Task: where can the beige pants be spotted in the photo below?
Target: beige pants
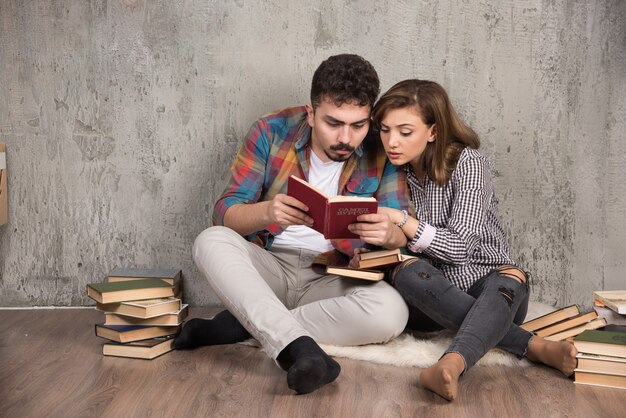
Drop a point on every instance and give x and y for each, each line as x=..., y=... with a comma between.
x=277, y=297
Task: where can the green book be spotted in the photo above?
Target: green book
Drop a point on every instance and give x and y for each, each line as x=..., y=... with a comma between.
x=129, y=290
x=130, y=333
x=119, y=274
x=172, y=276
x=601, y=342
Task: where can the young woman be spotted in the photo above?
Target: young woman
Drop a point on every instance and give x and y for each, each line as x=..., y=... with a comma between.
x=464, y=278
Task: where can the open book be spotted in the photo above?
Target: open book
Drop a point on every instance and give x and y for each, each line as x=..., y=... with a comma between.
x=331, y=215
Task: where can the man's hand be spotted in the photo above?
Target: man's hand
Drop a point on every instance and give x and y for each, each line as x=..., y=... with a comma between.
x=378, y=229
x=286, y=210
x=395, y=215
x=282, y=209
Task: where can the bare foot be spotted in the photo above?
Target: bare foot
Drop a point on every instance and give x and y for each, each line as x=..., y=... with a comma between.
x=443, y=376
x=558, y=354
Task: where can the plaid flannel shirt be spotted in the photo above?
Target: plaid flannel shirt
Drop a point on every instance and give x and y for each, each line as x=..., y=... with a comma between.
x=277, y=146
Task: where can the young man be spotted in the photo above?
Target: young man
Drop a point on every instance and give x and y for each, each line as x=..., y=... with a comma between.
x=271, y=291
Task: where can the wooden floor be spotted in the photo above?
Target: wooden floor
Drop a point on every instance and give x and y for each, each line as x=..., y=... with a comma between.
x=51, y=365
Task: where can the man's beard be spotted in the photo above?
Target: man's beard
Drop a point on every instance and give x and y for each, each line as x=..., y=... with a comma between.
x=340, y=147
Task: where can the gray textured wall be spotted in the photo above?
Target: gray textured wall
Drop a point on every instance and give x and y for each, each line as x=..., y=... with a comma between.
x=121, y=119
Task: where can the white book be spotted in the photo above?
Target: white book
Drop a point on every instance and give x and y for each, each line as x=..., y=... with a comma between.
x=612, y=299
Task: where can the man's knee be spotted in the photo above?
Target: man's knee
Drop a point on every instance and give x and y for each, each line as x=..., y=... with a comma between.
x=388, y=316
x=211, y=236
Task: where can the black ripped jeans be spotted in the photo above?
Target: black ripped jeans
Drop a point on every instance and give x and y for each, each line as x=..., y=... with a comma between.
x=486, y=316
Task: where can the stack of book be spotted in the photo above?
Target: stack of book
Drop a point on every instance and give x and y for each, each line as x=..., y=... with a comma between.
x=602, y=352
x=143, y=311
x=601, y=357
x=372, y=265
x=564, y=323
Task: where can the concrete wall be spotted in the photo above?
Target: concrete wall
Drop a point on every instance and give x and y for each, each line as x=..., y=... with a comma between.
x=121, y=119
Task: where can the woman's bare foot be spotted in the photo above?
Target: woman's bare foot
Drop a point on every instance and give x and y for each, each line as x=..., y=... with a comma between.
x=558, y=354
x=443, y=376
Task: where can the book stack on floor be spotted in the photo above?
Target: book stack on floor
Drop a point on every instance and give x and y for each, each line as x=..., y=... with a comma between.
x=143, y=311
x=564, y=323
x=602, y=352
x=372, y=265
x=601, y=357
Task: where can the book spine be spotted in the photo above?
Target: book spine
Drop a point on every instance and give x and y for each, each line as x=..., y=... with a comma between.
x=327, y=226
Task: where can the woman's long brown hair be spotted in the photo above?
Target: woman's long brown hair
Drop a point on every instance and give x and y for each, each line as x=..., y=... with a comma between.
x=431, y=102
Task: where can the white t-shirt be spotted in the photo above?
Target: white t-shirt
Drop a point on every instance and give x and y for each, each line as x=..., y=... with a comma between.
x=324, y=176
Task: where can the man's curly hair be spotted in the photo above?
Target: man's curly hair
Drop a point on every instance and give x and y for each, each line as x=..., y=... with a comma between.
x=345, y=78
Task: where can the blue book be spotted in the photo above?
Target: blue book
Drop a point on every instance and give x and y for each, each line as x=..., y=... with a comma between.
x=130, y=333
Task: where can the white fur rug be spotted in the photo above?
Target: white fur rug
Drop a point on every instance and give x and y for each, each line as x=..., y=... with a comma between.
x=424, y=349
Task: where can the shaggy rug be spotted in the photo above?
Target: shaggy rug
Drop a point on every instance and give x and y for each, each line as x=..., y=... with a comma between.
x=424, y=349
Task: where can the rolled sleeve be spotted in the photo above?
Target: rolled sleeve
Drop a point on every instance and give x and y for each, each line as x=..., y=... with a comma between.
x=423, y=237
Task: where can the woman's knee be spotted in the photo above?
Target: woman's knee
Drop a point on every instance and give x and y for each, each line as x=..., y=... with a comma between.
x=411, y=275
x=510, y=287
x=514, y=273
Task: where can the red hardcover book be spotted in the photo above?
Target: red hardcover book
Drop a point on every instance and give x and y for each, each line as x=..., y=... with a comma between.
x=331, y=215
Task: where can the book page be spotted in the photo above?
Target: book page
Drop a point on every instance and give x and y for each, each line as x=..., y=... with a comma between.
x=312, y=197
x=351, y=199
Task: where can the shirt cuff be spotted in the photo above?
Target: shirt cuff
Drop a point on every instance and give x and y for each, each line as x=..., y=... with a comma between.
x=423, y=237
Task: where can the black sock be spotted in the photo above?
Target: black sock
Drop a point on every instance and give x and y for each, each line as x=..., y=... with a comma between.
x=308, y=366
x=223, y=329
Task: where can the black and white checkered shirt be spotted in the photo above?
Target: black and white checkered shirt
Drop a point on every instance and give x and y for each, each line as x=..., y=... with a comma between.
x=459, y=227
